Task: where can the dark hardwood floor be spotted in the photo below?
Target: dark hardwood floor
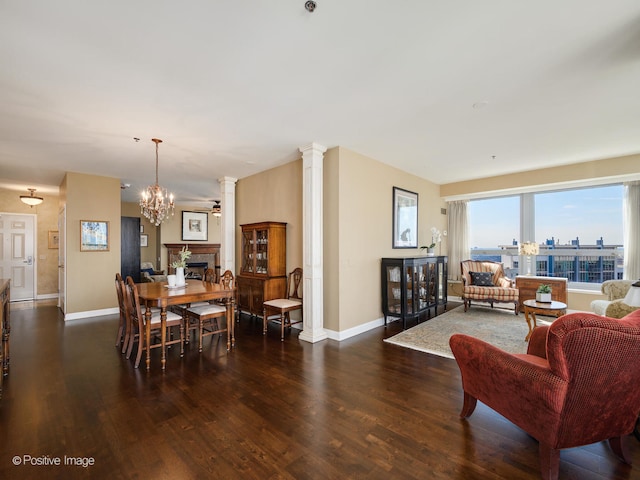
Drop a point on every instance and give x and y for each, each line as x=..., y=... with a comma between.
x=360, y=409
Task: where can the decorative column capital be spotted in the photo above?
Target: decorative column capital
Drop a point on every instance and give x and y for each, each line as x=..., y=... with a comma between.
x=314, y=148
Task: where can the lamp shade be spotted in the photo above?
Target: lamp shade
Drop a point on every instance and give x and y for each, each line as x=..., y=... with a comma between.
x=633, y=295
x=31, y=199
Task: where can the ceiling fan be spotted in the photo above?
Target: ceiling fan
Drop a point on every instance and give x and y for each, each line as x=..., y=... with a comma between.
x=216, y=209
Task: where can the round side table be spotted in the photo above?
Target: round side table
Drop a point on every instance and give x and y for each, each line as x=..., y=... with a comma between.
x=531, y=307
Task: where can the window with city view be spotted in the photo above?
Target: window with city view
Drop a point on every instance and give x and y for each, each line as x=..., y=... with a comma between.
x=580, y=232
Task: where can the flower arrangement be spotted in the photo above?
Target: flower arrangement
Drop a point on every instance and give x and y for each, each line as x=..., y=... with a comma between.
x=436, y=237
x=184, y=255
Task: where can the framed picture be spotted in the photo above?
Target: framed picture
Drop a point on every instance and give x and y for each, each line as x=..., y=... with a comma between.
x=405, y=218
x=195, y=226
x=54, y=239
x=94, y=236
x=141, y=228
x=144, y=240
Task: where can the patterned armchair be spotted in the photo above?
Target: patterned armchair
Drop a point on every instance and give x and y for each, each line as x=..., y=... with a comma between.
x=485, y=281
x=613, y=306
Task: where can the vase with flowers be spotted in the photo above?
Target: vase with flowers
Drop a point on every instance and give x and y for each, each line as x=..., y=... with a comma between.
x=180, y=265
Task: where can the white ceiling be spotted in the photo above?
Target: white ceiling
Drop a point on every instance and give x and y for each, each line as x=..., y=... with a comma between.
x=234, y=87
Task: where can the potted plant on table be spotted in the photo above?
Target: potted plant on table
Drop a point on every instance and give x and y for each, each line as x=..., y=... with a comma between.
x=543, y=294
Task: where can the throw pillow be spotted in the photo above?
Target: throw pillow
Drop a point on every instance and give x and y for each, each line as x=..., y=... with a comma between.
x=148, y=270
x=482, y=279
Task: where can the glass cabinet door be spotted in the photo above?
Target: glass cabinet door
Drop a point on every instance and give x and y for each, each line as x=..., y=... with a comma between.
x=422, y=286
x=247, y=251
x=410, y=303
x=394, y=289
x=262, y=249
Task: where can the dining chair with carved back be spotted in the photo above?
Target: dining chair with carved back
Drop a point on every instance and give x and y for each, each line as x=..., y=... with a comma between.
x=206, y=315
x=282, y=307
x=123, y=329
x=137, y=320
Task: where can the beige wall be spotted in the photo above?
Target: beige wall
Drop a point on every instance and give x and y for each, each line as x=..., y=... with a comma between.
x=273, y=195
x=613, y=169
x=90, y=274
x=46, y=220
x=171, y=231
x=358, y=193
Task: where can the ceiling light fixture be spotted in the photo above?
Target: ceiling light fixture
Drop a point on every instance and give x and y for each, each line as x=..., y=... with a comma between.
x=31, y=200
x=156, y=204
x=310, y=6
x=216, y=210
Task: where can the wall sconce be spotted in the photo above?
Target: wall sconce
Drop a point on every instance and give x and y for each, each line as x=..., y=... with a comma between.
x=31, y=200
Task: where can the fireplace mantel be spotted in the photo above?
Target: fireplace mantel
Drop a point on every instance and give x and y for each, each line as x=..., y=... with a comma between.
x=200, y=252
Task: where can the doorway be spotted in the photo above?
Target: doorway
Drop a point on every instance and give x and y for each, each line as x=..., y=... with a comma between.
x=18, y=254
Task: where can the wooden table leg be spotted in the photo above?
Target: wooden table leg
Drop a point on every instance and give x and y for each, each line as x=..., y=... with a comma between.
x=147, y=324
x=530, y=323
x=163, y=336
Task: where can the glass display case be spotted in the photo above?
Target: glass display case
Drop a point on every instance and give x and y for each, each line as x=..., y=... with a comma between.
x=412, y=286
x=263, y=265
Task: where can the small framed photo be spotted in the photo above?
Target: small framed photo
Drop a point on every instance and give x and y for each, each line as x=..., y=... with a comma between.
x=144, y=240
x=94, y=236
x=405, y=218
x=141, y=228
x=195, y=226
x=54, y=239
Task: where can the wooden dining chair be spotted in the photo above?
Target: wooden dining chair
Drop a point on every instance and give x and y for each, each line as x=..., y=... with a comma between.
x=137, y=320
x=122, y=337
x=207, y=316
x=190, y=322
x=282, y=307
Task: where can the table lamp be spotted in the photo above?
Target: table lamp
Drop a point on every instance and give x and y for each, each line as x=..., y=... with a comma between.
x=633, y=295
x=529, y=249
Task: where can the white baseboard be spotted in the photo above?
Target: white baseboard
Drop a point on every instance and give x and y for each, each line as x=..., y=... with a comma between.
x=352, y=332
x=48, y=296
x=91, y=313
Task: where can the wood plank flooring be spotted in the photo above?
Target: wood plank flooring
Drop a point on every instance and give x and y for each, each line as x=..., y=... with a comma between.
x=358, y=409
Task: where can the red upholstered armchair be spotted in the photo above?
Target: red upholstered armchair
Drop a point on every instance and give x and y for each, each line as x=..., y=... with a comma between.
x=577, y=384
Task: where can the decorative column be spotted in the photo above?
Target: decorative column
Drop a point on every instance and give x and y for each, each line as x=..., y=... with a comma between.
x=313, y=294
x=228, y=227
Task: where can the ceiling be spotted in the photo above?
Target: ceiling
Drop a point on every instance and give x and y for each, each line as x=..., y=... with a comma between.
x=234, y=87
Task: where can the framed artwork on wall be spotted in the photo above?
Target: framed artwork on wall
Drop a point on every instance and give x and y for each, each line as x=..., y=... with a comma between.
x=94, y=236
x=195, y=226
x=54, y=239
x=144, y=240
x=405, y=218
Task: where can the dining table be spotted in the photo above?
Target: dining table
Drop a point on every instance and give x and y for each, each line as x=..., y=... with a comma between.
x=159, y=294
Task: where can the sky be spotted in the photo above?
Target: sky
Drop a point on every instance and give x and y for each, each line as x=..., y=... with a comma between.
x=587, y=213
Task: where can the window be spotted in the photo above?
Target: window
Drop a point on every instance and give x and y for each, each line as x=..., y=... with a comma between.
x=580, y=232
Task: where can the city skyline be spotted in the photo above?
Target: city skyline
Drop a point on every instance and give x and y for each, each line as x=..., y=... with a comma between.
x=586, y=213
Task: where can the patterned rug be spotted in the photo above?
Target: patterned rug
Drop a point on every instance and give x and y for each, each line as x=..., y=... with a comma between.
x=495, y=326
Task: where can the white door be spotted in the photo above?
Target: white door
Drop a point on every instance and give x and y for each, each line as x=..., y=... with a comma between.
x=62, y=252
x=17, y=254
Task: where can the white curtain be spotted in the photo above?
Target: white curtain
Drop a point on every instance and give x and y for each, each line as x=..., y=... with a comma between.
x=631, y=211
x=458, y=237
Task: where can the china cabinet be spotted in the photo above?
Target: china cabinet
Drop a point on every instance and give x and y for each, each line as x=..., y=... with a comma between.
x=263, y=274
x=412, y=286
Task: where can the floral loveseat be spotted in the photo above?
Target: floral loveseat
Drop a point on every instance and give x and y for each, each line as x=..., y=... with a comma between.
x=614, y=305
x=485, y=281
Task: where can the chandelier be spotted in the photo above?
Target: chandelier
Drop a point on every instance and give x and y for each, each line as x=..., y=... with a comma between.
x=156, y=204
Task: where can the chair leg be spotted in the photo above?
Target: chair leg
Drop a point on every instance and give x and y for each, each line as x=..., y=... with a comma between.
x=141, y=342
x=182, y=339
x=549, y=462
x=282, y=327
x=620, y=447
x=264, y=321
x=200, y=328
x=468, y=406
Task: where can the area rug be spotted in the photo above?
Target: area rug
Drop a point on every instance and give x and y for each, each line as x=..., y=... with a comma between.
x=495, y=326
